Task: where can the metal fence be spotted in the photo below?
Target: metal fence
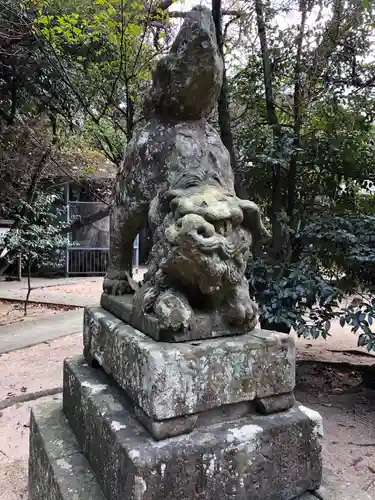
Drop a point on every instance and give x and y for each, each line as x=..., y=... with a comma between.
x=88, y=251
x=87, y=261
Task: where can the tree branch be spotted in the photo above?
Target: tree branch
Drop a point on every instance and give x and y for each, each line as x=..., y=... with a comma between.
x=89, y=219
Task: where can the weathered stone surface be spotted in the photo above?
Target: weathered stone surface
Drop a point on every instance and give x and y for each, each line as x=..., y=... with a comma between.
x=198, y=262
x=52, y=440
x=162, y=429
x=176, y=175
x=187, y=82
x=206, y=325
x=57, y=468
x=273, y=404
x=170, y=380
x=260, y=457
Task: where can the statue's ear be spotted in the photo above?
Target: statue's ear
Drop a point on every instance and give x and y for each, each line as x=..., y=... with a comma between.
x=171, y=199
x=174, y=193
x=253, y=222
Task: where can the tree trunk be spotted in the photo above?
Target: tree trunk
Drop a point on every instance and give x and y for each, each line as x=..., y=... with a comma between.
x=278, y=232
x=130, y=109
x=28, y=288
x=223, y=104
x=280, y=249
x=297, y=101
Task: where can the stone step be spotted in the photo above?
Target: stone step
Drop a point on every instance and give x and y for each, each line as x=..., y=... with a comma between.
x=58, y=470
x=257, y=457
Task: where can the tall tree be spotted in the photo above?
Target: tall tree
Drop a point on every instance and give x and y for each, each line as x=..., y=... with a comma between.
x=305, y=140
x=223, y=102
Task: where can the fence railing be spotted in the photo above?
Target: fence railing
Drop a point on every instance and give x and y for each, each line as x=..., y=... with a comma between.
x=92, y=261
x=88, y=250
x=87, y=261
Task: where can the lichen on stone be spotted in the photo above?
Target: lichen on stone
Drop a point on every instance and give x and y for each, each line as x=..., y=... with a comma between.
x=316, y=420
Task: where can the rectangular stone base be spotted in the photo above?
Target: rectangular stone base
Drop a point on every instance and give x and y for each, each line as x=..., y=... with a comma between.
x=59, y=470
x=256, y=457
x=176, y=381
x=206, y=325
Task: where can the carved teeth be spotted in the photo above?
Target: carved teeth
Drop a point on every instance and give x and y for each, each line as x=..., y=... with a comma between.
x=219, y=228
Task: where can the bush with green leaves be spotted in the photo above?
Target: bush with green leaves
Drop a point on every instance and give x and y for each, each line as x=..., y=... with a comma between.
x=336, y=259
x=294, y=296
x=38, y=234
x=360, y=315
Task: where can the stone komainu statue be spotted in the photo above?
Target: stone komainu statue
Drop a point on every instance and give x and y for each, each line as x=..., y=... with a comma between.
x=176, y=174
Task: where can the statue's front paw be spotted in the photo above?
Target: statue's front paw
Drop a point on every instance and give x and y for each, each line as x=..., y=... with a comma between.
x=116, y=287
x=249, y=313
x=119, y=283
x=241, y=312
x=173, y=311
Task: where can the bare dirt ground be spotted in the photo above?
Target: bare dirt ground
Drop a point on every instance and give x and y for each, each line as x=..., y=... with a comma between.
x=85, y=289
x=326, y=381
x=13, y=312
x=22, y=372
x=348, y=410
x=90, y=288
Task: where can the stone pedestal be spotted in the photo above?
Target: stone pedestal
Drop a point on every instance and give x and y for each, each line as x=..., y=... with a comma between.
x=177, y=387
x=165, y=404
x=211, y=419
x=254, y=457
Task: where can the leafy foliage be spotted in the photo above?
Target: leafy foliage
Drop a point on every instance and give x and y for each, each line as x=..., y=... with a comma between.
x=40, y=233
x=360, y=315
x=39, y=236
x=106, y=41
x=39, y=142
x=303, y=109
x=336, y=258
x=294, y=296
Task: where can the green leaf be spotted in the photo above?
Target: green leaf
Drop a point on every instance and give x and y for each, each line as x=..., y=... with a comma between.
x=362, y=340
